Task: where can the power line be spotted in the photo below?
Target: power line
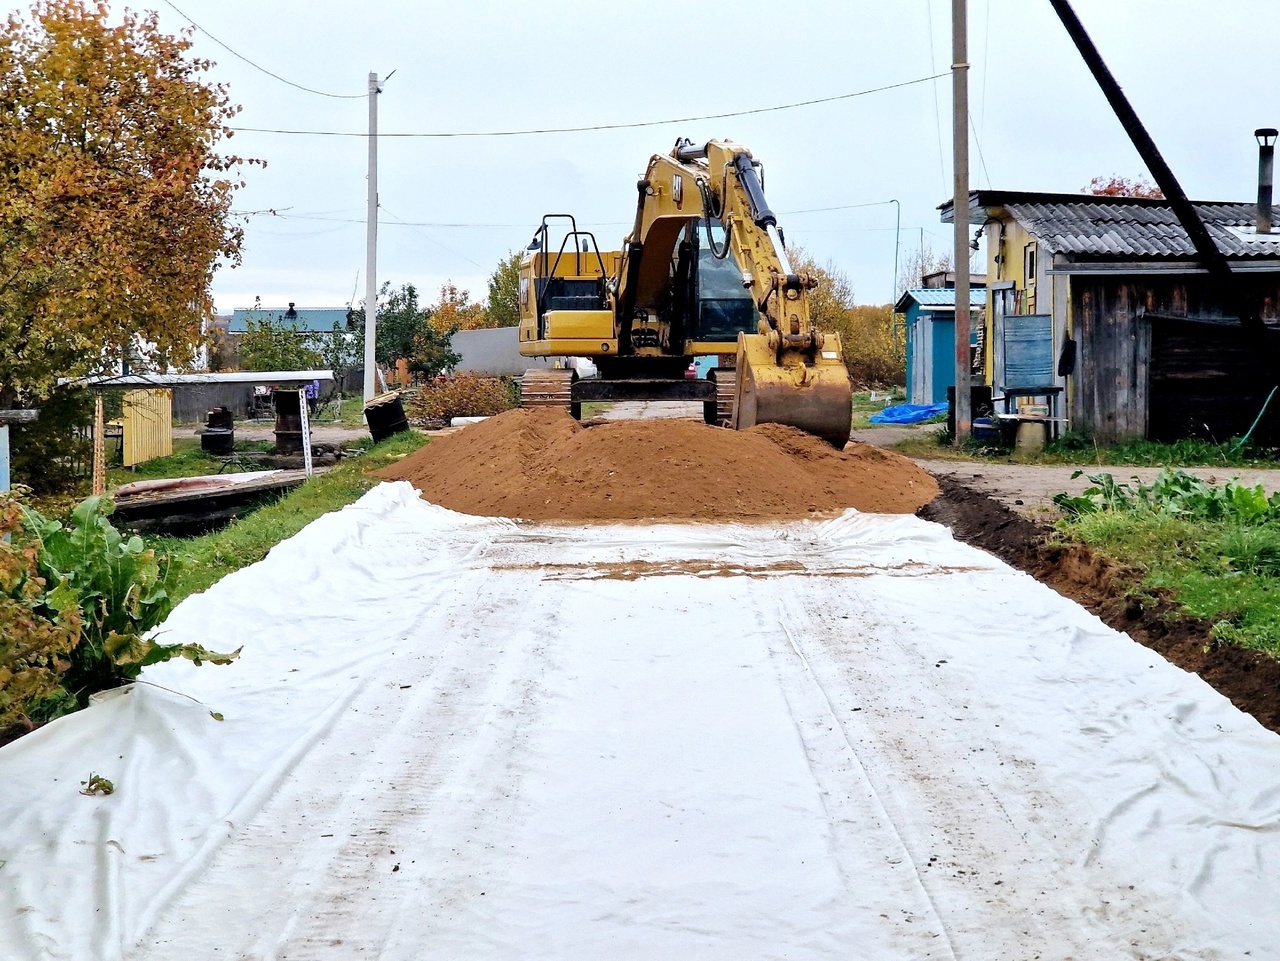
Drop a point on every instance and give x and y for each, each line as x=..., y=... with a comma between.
x=937, y=111
x=424, y=234
x=398, y=222
x=605, y=126
x=256, y=66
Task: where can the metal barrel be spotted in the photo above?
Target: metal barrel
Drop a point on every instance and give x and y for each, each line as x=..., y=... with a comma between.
x=385, y=416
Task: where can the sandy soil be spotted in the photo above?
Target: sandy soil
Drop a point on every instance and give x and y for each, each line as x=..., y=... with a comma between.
x=540, y=464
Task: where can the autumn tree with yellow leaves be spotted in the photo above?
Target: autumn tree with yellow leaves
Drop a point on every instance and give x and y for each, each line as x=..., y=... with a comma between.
x=869, y=336
x=115, y=201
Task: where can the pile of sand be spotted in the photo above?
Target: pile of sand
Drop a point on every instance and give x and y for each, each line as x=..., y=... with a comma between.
x=540, y=464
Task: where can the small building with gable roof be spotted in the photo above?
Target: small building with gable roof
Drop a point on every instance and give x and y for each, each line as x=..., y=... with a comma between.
x=1104, y=301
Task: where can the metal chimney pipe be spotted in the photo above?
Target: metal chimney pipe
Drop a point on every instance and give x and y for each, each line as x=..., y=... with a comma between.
x=1266, y=175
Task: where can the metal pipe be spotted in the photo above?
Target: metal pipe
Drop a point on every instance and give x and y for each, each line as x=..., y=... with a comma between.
x=688, y=151
x=1266, y=173
x=1208, y=251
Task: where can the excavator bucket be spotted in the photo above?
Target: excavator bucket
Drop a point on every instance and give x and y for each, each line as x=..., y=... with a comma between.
x=815, y=396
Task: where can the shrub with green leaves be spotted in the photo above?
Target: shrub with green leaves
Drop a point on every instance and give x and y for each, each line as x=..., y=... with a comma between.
x=119, y=585
x=1173, y=492
x=1217, y=547
x=38, y=629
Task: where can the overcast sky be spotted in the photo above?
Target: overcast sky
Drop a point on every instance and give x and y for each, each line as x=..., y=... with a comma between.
x=1199, y=72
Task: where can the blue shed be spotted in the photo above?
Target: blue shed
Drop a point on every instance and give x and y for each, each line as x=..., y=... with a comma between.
x=931, y=338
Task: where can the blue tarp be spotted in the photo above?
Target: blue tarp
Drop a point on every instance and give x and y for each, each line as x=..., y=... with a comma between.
x=908, y=413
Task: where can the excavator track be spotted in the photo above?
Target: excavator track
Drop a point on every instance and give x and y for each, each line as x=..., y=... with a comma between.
x=720, y=411
x=550, y=388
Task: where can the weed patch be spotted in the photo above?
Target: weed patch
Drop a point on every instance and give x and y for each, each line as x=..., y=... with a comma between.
x=1216, y=547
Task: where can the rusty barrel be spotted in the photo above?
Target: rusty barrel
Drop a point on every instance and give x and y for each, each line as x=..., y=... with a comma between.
x=385, y=416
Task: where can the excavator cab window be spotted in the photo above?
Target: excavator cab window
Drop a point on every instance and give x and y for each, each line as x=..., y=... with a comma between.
x=725, y=307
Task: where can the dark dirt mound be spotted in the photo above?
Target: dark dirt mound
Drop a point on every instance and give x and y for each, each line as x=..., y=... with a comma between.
x=542, y=465
x=1250, y=679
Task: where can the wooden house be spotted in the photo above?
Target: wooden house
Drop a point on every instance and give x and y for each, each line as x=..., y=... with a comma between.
x=1101, y=306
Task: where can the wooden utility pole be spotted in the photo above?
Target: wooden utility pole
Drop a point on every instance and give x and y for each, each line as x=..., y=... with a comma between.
x=960, y=211
x=371, y=256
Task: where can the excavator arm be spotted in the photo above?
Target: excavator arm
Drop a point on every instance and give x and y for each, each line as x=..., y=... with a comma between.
x=788, y=372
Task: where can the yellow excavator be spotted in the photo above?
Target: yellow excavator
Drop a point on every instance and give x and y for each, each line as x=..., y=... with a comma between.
x=704, y=272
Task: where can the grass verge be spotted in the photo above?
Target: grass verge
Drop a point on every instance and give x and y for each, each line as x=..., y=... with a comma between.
x=205, y=560
x=1072, y=450
x=1216, y=548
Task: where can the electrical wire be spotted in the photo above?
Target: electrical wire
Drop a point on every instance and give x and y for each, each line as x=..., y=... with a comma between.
x=977, y=142
x=937, y=110
x=454, y=225
x=427, y=236
x=256, y=66
x=594, y=127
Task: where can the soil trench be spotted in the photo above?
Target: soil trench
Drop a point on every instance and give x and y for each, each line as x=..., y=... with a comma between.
x=1249, y=679
x=541, y=465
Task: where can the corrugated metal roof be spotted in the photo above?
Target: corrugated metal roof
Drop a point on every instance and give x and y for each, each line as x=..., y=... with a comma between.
x=1095, y=228
x=317, y=319
x=945, y=296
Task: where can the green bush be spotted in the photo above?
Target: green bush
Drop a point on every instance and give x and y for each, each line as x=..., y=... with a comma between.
x=120, y=588
x=53, y=452
x=38, y=630
x=1174, y=492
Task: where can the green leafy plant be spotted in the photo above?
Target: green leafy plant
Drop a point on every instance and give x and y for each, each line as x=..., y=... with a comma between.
x=97, y=785
x=119, y=585
x=38, y=630
x=1173, y=492
x=277, y=344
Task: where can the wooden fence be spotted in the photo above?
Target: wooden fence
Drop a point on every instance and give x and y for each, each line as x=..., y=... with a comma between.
x=148, y=425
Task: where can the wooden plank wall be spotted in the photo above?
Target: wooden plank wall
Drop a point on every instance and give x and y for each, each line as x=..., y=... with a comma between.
x=1211, y=381
x=1121, y=391
x=148, y=425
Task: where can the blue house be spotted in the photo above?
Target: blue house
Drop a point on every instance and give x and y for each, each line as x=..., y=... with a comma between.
x=319, y=320
x=931, y=338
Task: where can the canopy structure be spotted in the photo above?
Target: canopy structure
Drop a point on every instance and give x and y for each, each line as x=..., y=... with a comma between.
x=130, y=381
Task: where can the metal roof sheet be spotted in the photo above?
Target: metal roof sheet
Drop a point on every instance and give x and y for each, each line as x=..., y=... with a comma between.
x=314, y=319
x=945, y=296
x=1096, y=228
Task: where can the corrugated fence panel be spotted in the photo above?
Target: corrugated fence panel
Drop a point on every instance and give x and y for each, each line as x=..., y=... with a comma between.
x=148, y=425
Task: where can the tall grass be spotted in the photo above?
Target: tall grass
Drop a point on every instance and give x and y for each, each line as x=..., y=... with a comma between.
x=1216, y=547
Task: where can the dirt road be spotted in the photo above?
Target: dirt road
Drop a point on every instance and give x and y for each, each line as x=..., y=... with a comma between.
x=1029, y=489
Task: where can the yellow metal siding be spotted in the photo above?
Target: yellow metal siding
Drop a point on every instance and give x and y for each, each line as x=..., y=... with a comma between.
x=148, y=425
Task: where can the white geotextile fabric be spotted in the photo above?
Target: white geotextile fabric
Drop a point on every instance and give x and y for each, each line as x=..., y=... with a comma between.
x=454, y=737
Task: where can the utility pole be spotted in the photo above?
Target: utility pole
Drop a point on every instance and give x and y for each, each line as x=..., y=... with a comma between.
x=960, y=211
x=371, y=260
